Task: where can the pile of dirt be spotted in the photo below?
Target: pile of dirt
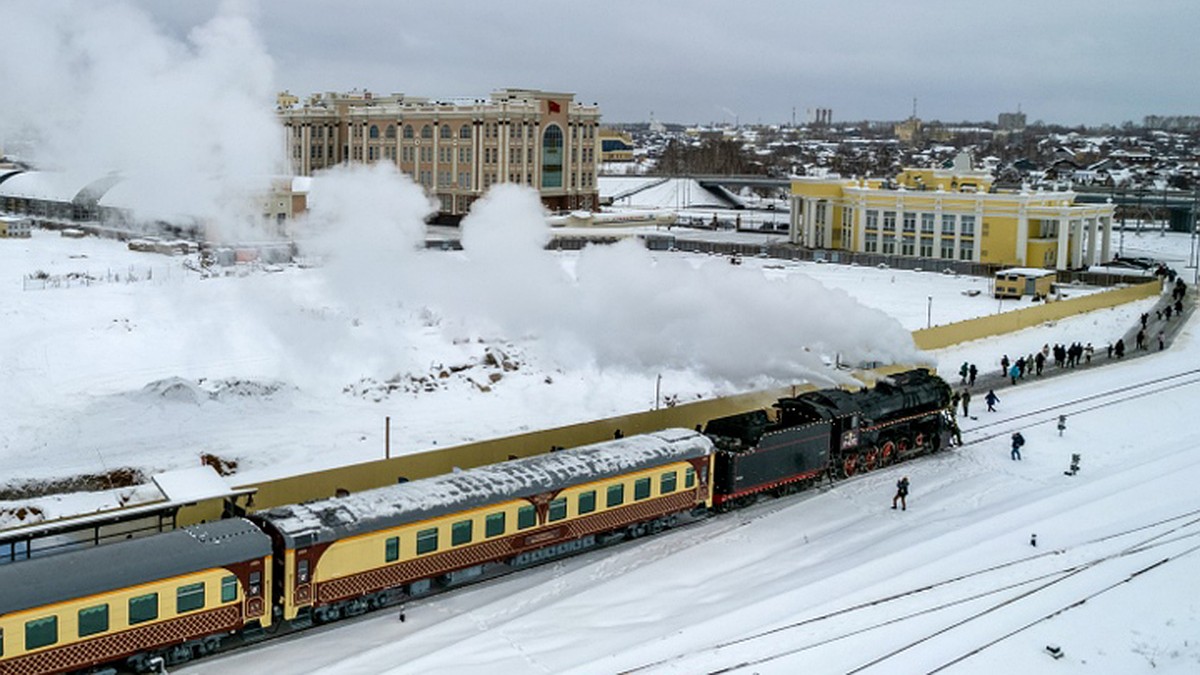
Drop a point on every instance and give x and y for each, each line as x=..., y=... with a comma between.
x=94, y=482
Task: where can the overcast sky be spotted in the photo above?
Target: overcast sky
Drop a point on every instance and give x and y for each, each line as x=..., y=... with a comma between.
x=695, y=61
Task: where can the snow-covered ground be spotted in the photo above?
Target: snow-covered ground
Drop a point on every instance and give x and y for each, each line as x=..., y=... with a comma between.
x=834, y=581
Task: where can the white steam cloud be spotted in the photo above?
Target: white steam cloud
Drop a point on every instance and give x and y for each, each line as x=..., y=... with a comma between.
x=96, y=87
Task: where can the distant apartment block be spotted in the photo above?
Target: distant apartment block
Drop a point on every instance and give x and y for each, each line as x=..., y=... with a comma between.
x=952, y=214
x=455, y=149
x=1014, y=121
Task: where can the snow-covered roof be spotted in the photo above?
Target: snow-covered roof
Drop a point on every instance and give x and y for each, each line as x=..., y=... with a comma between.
x=332, y=519
x=1026, y=271
x=45, y=185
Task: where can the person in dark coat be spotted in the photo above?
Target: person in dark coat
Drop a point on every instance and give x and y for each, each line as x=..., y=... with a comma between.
x=991, y=400
x=966, y=401
x=1141, y=339
x=1119, y=350
x=1039, y=362
x=901, y=494
x=1017, y=441
x=972, y=372
x=1004, y=366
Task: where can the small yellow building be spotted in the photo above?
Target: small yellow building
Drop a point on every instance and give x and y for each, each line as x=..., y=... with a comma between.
x=951, y=214
x=14, y=228
x=1016, y=282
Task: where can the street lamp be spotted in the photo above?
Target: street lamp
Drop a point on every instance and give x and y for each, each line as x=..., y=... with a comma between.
x=929, y=313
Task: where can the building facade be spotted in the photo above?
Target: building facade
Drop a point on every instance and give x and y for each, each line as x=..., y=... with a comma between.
x=950, y=214
x=456, y=150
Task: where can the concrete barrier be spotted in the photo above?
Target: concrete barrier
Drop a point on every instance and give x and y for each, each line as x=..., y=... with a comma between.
x=938, y=337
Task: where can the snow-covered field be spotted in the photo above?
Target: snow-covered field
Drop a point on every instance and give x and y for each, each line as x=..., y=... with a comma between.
x=833, y=581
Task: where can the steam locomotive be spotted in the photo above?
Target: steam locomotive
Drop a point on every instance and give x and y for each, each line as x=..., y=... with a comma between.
x=172, y=597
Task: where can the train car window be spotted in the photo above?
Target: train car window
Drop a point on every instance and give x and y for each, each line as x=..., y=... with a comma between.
x=189, y=598
x=1, y=642
x=229, y=588
x=93, y=620
x=558, y=509
x=391, y=549
x=427, y=541
x=41, y=632
x=302, y=570
x=143, y=608
x=587, y=502
x=668, y=483
x=641, y=489
x=461, y=532
x=526, y=517
x=494, y=525
x=616, y=496
x=689, y=477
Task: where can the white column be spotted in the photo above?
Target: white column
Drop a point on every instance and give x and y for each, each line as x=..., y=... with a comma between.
x=794, y=220
x=1061, y=261
x=1077, y=240
x=1022, y=234
x=937, y=228
x=1093, y=232
x=1106, y=239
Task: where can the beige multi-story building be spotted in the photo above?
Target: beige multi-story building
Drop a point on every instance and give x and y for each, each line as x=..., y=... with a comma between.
x=455, y=149
x=952, y=214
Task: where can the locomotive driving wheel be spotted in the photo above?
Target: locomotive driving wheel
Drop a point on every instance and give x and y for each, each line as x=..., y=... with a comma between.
x=849, y=465
x=887, y=453
x=919, y=442
x=871, y=459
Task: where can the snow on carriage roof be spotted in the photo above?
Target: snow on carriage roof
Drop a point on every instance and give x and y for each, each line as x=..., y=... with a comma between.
x=370, y=510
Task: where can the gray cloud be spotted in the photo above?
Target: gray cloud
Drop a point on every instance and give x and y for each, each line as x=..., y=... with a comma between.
x=1066, y=61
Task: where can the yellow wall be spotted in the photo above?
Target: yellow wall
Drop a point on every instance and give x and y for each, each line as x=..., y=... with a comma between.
x=998, y=324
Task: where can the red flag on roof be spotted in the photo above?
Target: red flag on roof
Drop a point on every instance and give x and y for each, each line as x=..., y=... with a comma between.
x=554, y=107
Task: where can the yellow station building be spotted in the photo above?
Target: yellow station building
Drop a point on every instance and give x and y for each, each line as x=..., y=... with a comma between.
x=953, y=214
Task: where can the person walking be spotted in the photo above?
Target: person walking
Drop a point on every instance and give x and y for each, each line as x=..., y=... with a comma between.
x=1119, y=350
x=901, y=494
x=972, y=372
x=1013, y=372
x=962, y=372
x=991, y=400
x=1017, y=441
x=1160, y=341
x=1087, y=353
x=1039, y=362
x=966, y=402
x=1004, y=366
x=1141, y=339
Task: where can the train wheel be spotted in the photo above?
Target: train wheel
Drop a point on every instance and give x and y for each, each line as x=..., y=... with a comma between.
x=887, y=453
x=919, y=442
x=871, y=459
x=849, y=465
x=902, y=446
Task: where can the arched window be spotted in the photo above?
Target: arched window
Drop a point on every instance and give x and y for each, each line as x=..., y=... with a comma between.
x=445, y=133
x=391, y=132
x=426, y=131
x=374, y=132
x=464, y=132
x=408, y=131
x=552, y=157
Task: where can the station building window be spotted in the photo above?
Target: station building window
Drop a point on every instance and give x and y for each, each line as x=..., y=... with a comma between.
x=552, y=157
x=464, y=132
x=41, y=632
x=93, y=620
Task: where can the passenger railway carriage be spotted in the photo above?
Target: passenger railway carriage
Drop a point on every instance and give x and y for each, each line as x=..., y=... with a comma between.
x=174, y=595
x=350, y=554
